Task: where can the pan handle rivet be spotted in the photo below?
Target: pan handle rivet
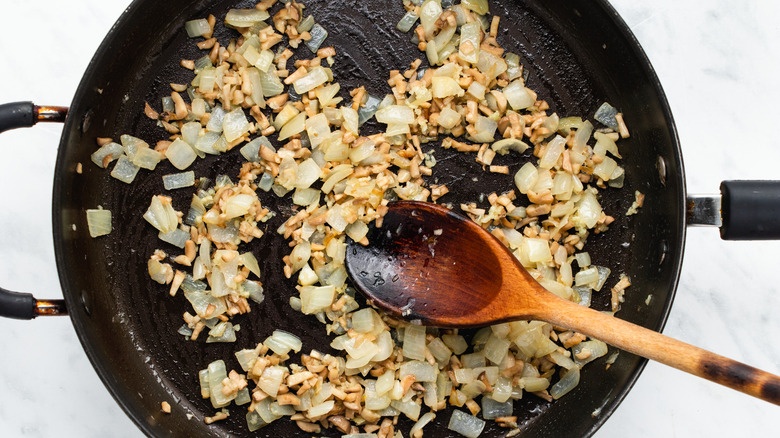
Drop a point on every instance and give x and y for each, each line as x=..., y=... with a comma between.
x=661, y=167
x=85, y=303
x=664, y=249
x=86, y=121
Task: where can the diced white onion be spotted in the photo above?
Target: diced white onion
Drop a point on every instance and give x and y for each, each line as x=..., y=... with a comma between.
x=465, y=424
x=99, y=222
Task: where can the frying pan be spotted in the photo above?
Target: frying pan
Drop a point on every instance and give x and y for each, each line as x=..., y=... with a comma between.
x=230, y=349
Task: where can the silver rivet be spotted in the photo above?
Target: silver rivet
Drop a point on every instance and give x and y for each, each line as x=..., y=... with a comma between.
x=661, y=167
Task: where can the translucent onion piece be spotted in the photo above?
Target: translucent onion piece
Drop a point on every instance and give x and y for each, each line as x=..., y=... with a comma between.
x=518, y=96
x=125, y=170
x=606, y=115
x=368, y=109
x=422, y=371
x=294, y=126
x=99, y=222
x=217, y=372
x=316, y=299
x=429, y=13
x=239, y=205
x=568, y=382
x=196, y=28
x=235, y=125
x=395, y=114
x=317, y=129
x=318, y=36
x=281, y=342
x=175, y=237
x=552, y=152
x=465, y=424
x=422, y=422
x=245, y=17
x=180, y=154
x=448, y=118
x=478, y=6
x=407, y=21
x=444, y=86
x=414, y=342
x=271, y=379
x=306, y=197
x=526, y=177
x=505, y=145
x=179, y=180
x=470, y=42
x=492, y=409
x=111, y=150
x=357, y=230
x=486, y=130
x=132, y=145
x=272, y=85
x=314, y=78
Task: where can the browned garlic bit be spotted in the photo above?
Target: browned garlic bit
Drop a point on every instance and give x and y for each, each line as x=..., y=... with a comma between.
x=341, y=180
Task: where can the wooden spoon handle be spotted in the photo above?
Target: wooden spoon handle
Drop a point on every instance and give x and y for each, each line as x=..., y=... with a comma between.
x=663, y=349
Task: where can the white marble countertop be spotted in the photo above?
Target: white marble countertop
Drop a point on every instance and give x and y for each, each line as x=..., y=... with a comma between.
x=718, y=63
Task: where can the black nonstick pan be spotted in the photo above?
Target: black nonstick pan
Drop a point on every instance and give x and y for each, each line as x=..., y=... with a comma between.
x=105, y=346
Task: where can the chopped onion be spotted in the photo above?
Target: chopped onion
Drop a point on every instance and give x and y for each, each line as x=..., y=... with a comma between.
x=422, y=371
x=407, y=21
x=179, y=180
x=588, y=211
x=125, y=170
x=306, y=197
x=505, y=145
x=222, y=332
x=281, y=342
x=518, y=96
x=175, y=237
x=295, y=126
x=318, y=35
x=478, y=6
x=486, y=130
x=368, y=109
x=465, y=424
x=606, y=115
x=470, y=37
x=271, y=379
x=161, y=214
x=448, y=118
x=314, y=78
x=357, y=230
x=239, y=205
x=422, y=422
x=496, y=349
x=414, y=342
x=492, y=409
x=196, y=28
x=99, y=222
x=180, y=154
x=395, y=114
x=316, y=299
x=445, y=86
x=552, y=152
x=245, y=17
x=217, y=372
x=235, y=125
x=112, y=150
x=456, y=343
x=271, y=84
x=408, y=408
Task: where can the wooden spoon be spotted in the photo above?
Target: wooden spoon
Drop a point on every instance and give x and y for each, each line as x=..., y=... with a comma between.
x=430, y=265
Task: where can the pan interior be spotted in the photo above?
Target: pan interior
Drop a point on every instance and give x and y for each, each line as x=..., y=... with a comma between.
x=577, y=56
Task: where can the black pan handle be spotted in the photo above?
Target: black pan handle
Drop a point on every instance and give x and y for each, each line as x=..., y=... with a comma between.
x=26, y=114
x=744, y=210
x=22, y=115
